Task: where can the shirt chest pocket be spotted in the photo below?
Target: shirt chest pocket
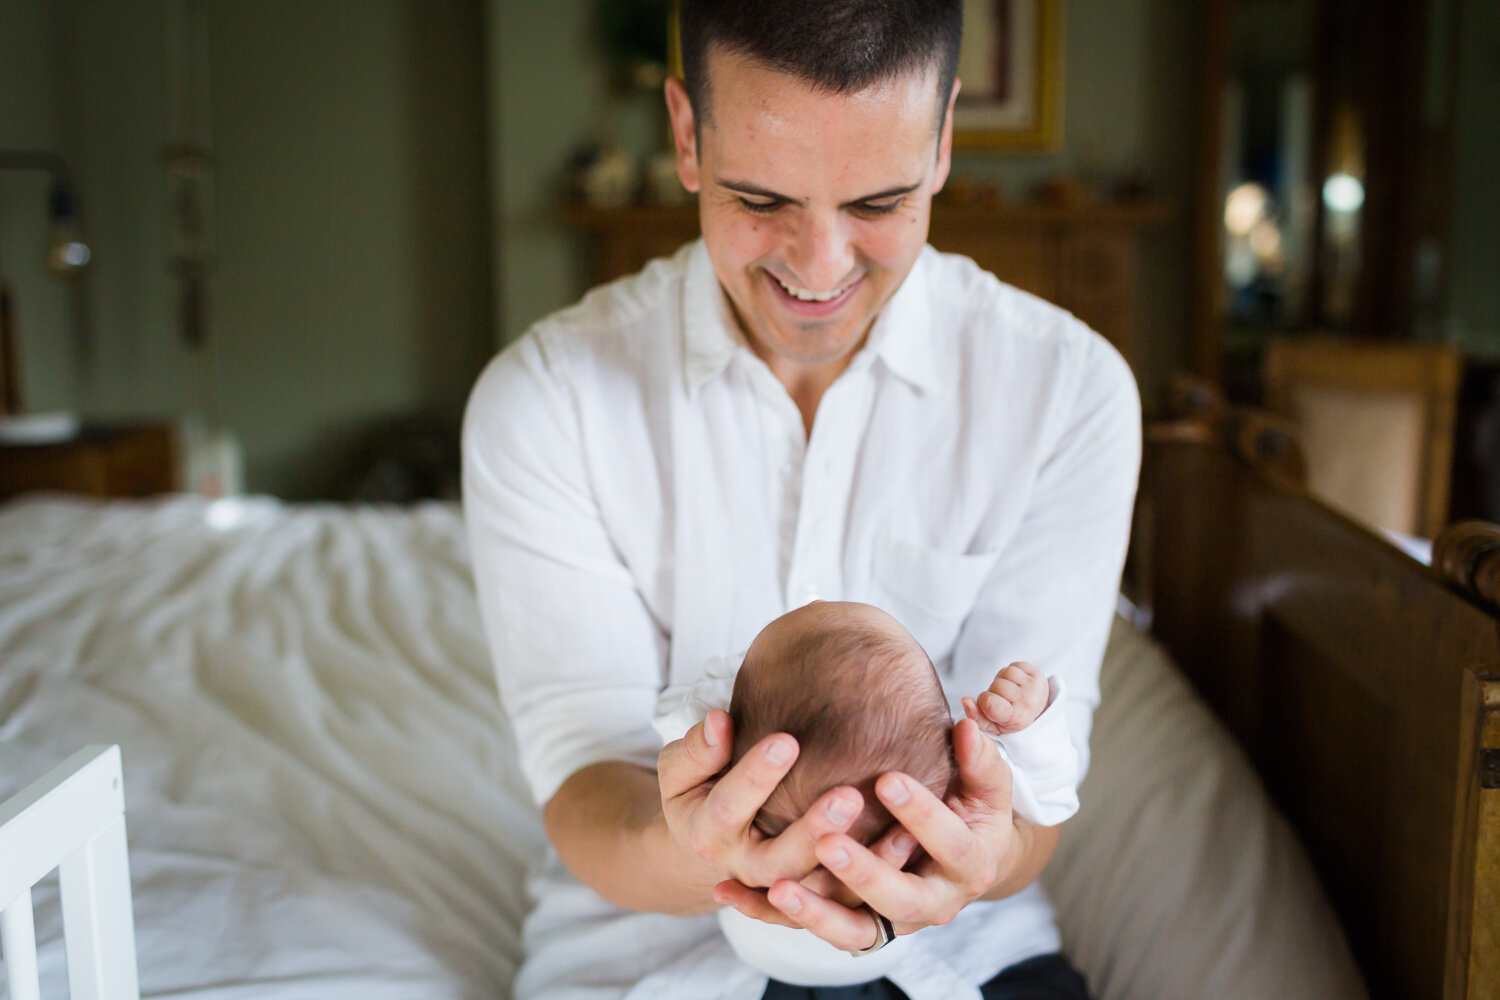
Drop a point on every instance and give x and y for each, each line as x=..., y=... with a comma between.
x=929, y=591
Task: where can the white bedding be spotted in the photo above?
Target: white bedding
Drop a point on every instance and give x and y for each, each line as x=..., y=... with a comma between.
x=322, y=799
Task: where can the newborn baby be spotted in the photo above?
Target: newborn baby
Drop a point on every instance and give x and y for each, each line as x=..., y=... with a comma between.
x=862, y=698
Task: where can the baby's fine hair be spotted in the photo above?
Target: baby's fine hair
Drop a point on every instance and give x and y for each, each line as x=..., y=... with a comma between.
x=860, y=702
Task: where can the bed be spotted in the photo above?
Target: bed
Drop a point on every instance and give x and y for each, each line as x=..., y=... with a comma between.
x=322, y=798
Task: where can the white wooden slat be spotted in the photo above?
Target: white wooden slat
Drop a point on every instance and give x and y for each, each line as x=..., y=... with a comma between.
x=18, y=941
x=97, y=920
x=56, y=815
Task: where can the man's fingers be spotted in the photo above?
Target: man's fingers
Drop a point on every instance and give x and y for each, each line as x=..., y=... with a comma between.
x=792, y=850
x=984, y=779
x=731, y=805
x=895, y=847
x=687, y=763
x=903, y=897
x=845, y=929
x=942, y=833
x=750, y=902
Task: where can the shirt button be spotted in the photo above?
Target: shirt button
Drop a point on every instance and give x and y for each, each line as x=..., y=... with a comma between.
x=788, y=470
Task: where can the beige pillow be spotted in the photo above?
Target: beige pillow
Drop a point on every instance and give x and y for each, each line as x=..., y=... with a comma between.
x=1178, y=878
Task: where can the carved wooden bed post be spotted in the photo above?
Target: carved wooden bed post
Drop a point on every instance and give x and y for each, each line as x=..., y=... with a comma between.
x=1467, y=554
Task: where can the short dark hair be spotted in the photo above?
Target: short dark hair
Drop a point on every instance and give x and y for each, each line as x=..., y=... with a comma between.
x=842, y=46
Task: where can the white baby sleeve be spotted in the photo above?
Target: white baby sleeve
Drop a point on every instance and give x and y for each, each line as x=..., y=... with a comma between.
x=680, y=707
x=1043, y=764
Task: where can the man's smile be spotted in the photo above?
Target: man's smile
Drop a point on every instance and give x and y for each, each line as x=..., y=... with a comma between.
x=805, y=301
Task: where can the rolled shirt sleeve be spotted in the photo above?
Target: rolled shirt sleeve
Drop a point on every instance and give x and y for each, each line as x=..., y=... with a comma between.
x=578, y=656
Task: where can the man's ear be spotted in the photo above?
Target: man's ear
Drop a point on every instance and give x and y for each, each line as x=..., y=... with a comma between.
x=945, y=142
x=684, y=132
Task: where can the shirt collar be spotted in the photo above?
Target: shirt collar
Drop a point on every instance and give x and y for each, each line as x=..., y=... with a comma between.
x=709, y=339
x=901, y=335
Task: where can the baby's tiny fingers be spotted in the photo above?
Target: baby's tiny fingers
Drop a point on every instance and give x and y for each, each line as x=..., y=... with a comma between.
x=997, y=708
x=1005, y=687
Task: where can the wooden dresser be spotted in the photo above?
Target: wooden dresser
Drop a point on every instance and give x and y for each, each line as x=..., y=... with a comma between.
x=1083, y=259
x=119, y=461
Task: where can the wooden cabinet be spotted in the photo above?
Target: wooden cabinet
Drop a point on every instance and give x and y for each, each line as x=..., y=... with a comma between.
x=1083, y=259
x=101, y=462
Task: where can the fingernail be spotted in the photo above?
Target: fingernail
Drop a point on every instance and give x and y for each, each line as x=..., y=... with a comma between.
x=896, y=792
x=902, y=843
x=841, y=811
x=837, y=858
x=777, y=752
x=791, y=904
x=708, y=732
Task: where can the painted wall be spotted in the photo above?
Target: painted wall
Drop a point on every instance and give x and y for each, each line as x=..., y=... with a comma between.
x=1128, y=108
x=353, y=279
x=31, y=119
x=354, y=267
x=551, y=95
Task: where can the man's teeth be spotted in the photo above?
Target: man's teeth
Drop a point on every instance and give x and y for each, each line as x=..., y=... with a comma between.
x=807, y=296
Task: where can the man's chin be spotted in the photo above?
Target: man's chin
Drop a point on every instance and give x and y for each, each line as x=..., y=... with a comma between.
x=814, y=356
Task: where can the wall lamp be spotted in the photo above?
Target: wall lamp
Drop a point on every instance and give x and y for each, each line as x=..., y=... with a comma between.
x=67, y=254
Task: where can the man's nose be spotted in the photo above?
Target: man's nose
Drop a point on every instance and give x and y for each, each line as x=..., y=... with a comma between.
x=821, y=253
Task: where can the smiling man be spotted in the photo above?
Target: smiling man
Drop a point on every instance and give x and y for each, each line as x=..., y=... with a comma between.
x=808, y=256
x=807, y=403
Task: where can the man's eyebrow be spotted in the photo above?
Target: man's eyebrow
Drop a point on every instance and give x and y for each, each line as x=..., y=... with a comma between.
x=755, y=190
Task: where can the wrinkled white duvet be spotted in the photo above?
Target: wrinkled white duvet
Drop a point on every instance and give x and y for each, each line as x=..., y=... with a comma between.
x=320, y=790
x=322, y=800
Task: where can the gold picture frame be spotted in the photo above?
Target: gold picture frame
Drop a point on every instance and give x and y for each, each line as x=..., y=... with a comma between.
x=1011, y=66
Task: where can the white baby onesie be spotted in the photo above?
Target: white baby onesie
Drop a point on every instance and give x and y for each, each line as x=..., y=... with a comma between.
x=1044, y=771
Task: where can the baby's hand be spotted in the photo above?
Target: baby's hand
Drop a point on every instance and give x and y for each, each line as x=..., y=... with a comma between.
x=1015, y=698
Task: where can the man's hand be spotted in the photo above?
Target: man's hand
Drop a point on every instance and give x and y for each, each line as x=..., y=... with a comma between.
x=711, y=820
x=974, y=848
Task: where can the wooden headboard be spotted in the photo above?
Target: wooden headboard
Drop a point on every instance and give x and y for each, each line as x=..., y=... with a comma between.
x=1364, y=685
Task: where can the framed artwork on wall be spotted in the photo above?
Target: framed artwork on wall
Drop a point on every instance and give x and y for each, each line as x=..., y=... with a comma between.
x=1011, y=66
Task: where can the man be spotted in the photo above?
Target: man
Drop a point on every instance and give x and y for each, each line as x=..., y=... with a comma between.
x=808, y=403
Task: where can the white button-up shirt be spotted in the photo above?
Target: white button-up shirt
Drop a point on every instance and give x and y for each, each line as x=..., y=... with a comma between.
x=642, y=497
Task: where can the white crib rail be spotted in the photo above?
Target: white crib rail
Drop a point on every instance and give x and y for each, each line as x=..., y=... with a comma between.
x=71, y=819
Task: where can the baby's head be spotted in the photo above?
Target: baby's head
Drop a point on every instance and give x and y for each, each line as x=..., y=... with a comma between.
x=860, y=696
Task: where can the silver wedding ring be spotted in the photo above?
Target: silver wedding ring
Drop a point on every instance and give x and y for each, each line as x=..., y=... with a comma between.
x=885, y=933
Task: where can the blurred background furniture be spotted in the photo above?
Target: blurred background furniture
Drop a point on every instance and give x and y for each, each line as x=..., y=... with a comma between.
x=1376, y=424
x=121, y=461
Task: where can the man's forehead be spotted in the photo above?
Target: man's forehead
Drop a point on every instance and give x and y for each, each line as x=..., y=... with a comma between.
x=778, y=131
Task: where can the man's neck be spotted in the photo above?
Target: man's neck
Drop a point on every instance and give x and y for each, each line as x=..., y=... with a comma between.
x=806, y=385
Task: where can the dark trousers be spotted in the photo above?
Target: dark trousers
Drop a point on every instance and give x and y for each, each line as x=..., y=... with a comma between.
x=1046, y=977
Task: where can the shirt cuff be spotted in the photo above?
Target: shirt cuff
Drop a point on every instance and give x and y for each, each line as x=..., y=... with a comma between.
x=1043, y=763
